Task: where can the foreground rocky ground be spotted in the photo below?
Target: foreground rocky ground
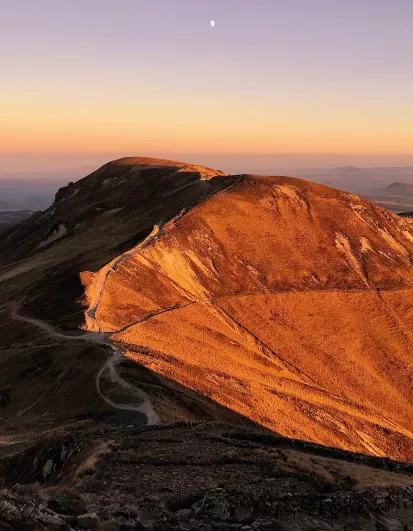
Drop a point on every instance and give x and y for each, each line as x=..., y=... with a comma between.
x=197, y=476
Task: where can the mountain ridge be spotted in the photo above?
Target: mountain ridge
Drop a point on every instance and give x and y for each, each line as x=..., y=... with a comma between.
x=251, y=293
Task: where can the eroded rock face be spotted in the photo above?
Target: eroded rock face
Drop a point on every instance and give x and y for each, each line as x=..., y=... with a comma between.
x=285, y=301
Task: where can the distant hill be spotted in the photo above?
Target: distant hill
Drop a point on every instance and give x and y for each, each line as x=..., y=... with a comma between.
x=397, y=196
x=399, y=189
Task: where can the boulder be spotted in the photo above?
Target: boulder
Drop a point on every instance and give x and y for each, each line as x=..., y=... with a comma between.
x=52, y=522
x=241, y=513
x=10, y=512
x=88, y=521
x=67, y=502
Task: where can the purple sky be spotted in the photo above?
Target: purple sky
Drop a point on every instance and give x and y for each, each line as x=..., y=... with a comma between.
x=134, y=77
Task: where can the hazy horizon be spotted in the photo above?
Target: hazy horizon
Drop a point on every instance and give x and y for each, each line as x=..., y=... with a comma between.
x=29, y=181
x=48, y=163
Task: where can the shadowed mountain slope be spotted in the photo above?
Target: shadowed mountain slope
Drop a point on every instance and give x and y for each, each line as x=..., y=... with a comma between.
x=91, y=222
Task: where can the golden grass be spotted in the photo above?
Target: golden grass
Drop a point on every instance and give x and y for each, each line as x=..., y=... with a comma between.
x=277, y=310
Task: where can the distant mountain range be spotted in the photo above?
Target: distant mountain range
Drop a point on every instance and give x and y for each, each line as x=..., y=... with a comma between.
x=355, y=180
x=391, y=188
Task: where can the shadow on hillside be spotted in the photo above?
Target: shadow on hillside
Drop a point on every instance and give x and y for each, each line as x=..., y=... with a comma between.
x=192, y=407
x=56, y=297
x=206, y=421
x=173, y=401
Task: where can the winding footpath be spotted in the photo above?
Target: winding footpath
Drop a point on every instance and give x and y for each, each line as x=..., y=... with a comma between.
x=143, y=405
x=94, y=335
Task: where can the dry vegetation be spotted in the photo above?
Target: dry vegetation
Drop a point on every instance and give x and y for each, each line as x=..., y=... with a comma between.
x=269, y=298
x=282, y=300
x=264, y=302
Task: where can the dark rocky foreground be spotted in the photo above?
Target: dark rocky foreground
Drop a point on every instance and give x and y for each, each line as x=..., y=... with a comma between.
x=206, y=476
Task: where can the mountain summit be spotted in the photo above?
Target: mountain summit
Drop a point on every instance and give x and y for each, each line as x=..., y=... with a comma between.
x=270, y=300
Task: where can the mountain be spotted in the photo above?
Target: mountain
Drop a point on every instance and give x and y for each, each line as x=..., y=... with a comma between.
x=364, y=181
x=100, y=216
x=251, y=291
x=399, y=189
x=396, y=197
x=156, y=292
x=258, y=298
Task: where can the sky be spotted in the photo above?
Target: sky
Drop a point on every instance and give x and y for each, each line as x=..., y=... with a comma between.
x=309, y=82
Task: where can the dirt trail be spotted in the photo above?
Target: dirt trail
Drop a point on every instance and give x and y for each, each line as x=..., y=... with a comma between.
x=94, y=335
x=144, y=406
x=78, y=335
x=91, y=323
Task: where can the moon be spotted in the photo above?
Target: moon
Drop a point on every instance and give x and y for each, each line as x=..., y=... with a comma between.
x=212, y=23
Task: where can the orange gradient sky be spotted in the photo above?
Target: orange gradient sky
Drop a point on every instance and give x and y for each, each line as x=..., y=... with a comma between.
x=151, y=77
x=329, y=119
